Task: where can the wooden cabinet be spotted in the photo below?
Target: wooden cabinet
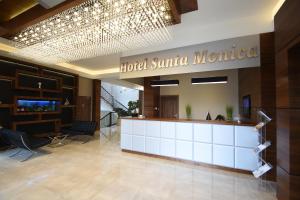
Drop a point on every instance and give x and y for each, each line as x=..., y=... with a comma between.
x=184, y=131
x=168, y=130
x=203, y=133
x=126, y=141
x=153, y=145
x=184, y=150
x=138, y=127
x=203, y=152
x=223, y=155
x=167, y=147
x=224, y=145
x=246, y=137
x=153, y=128
x=138, y=143
x=246, y=159
x=223, y=134
x=126, y=126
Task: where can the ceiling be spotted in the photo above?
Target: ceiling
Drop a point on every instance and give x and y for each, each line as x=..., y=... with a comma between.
x=214, y=20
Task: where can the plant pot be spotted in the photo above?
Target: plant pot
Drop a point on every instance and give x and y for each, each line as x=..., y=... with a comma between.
x=134, y=115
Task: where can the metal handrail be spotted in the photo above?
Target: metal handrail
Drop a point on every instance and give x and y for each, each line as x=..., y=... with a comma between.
x=108, y=120
x=109, y=98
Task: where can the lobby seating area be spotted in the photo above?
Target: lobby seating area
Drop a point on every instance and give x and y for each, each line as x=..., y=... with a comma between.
x=81, y=128
x=21, y=141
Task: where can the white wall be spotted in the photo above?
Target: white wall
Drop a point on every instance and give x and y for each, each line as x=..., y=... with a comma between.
x=122, y=94
x=204, y=98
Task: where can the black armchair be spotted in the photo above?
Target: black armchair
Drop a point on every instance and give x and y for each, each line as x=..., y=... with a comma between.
x=81, y=128
x=23, y=141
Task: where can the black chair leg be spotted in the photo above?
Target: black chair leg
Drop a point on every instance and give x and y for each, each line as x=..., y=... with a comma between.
x=88, y=138
x=16, y=153
x=28, y=157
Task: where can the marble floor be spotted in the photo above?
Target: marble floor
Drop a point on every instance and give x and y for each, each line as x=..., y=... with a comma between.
x=98, y=170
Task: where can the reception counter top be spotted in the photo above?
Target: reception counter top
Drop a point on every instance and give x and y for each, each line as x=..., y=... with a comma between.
x=193, y=121
x=221, y=143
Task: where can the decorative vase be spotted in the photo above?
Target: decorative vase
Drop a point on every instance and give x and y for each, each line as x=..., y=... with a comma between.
x=208, y=117
x=67, y=102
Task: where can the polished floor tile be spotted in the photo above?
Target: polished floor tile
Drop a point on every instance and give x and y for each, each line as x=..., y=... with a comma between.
x=98, y=170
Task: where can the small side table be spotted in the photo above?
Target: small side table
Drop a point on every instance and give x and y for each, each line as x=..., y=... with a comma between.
x=57, y=141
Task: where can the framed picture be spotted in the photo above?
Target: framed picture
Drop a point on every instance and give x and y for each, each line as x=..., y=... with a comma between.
x=247, y=106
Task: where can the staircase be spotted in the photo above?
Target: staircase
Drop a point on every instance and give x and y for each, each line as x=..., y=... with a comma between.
x=111, y=118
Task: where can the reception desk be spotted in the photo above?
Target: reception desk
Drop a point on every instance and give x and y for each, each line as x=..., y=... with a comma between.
x=226, y=144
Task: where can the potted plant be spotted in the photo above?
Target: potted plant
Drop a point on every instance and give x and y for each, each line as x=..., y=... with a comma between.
x=188, y=110
x=229, y=113
x=133, y=108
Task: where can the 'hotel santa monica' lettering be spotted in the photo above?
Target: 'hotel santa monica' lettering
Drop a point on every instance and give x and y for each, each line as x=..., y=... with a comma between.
x=200, y=57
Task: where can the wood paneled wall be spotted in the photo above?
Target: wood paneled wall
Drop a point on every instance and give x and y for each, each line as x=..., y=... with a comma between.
x=249, y=87
x=96, y=112
x=151, y=98
x=287, y=42
x=260, y=84
x=268, y=95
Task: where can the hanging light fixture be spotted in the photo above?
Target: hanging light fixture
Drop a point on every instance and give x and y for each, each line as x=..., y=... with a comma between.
x=94, y=28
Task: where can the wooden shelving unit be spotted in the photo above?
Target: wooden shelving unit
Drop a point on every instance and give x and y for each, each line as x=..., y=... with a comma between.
x=19, y=79
x=68, y=106
x=7, y=78
x=6, y=105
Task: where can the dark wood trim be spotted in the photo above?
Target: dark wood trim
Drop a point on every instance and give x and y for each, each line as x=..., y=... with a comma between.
x=151, y=98
x=189, y=162
x=35, y=66
x=268, y=95
x=185, y=6
x=96, y=110
x=55, y=121
x=287, y=42
x=161, y=96
x=175, y=12
x=36, y=15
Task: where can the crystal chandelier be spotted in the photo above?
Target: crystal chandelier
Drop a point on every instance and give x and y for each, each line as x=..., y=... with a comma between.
x=94, y=28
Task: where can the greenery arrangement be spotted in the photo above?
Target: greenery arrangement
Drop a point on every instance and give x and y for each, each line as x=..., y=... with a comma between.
x=188, y=110
x=133, y=106
x=229, y=113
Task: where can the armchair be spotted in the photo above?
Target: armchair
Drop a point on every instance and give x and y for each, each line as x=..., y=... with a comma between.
x=23, y=141
x=81, y=128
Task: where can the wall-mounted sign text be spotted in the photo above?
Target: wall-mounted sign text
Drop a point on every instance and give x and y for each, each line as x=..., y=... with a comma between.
x=227, y=54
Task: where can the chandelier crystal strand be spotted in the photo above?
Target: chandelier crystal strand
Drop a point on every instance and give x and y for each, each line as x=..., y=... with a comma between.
x=95, y=28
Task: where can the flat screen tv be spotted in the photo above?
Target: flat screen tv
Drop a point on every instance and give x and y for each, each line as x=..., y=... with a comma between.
x=25, y=105
x=247, y=106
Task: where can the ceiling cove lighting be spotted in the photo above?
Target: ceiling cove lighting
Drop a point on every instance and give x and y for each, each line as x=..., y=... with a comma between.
x=95, y=28
x=162, y=83
x=209, y=80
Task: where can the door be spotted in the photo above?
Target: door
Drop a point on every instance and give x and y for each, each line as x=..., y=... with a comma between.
x=169, y=106
x=83, y=111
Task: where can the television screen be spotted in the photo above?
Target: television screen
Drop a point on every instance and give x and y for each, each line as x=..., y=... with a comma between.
x=24, y=105
x=247, y=106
